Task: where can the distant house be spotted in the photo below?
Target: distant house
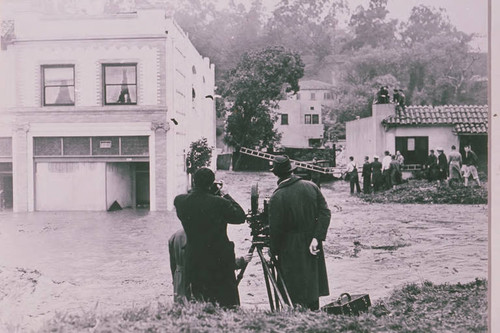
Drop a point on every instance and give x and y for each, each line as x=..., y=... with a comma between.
x=418, y=129
x=99, y=107
x=300, y=116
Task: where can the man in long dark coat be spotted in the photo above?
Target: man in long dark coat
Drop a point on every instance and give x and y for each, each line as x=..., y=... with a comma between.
x=377, y=178
x=432, y=167
x=442, y=164
x=299, y=218
x=367, y=176
x=210, y=260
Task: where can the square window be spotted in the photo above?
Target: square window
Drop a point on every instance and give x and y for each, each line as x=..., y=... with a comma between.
x=58, y=85
x=284, y=119
x=311, y=108
x=76, y=146
x=315, y=119
x=313, y=96
x=307, y=119
x=120, y=84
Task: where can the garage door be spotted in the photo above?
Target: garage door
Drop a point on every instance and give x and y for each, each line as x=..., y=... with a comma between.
x=70, y=186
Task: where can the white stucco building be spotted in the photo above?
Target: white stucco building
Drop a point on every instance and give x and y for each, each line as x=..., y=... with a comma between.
x=98, y=107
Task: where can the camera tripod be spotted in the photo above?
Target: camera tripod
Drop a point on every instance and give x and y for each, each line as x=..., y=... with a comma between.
x=278, y=296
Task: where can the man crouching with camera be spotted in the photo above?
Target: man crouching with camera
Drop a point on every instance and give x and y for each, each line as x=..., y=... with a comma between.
x=210, y=260
x=299, y=218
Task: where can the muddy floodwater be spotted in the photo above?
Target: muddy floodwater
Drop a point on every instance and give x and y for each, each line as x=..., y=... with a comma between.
x=104, y=262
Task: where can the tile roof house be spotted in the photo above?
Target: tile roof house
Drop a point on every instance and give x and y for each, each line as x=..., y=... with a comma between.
x=418, y=129
x=466, y=119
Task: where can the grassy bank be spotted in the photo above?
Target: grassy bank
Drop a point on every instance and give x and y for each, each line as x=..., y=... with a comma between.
x=424, y=192
x=414, y=308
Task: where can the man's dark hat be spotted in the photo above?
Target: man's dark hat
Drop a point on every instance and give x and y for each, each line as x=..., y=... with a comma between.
x=203, y=177
x=282, y=165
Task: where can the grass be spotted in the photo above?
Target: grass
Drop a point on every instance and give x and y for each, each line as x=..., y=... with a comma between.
x=424, y=192
x=413, y=308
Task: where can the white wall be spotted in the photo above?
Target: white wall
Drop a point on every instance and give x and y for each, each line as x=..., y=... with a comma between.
x=70, y=186
x=297, y=133
x=119, y=184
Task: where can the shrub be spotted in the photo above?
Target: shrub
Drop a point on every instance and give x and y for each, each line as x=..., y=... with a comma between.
x=199, y=155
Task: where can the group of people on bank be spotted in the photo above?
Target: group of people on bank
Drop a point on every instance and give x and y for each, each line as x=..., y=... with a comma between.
x=453, y=168
x=202, y=257
x=388, y=173
x=376, y=175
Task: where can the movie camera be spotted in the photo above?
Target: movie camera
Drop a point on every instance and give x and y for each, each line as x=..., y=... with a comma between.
x=258, y=221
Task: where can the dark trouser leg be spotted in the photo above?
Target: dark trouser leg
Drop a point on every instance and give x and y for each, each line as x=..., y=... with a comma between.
x=351, y=183
x=358, y=188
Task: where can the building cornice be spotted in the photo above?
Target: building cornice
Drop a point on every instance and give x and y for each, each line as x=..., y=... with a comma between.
x=115, y=109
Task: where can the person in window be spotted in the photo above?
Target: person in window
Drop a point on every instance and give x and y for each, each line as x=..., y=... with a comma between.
x=124, y=97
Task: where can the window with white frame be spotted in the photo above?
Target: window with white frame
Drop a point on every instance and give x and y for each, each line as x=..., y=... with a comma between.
x=58, y=85
x=120, y=83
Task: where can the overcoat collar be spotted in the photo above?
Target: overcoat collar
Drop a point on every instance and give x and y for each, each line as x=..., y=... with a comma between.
x=288, y=182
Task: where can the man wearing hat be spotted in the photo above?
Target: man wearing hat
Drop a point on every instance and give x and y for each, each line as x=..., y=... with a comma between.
x=210, y=260
x=299, y=218
x=377, y=177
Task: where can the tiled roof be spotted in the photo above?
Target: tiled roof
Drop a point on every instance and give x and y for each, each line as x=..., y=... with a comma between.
x=314, y=85
x=466, y=119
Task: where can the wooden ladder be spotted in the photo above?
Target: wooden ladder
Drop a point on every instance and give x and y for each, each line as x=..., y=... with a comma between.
x=303, y=165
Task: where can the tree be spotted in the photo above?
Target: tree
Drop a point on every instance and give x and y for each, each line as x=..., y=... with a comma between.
x=254, y=86
x=309, y=27
x=424, y=23
x=371, y=26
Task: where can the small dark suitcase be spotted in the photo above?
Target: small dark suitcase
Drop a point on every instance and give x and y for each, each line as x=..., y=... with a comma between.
x=348, y=305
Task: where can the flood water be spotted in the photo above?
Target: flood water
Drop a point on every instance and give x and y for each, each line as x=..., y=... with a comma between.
x=104, y=262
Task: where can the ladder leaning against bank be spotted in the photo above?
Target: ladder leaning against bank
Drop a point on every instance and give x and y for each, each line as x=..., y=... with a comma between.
x=337, y=172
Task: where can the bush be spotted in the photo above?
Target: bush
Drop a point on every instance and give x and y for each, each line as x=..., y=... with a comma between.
x=199, y=155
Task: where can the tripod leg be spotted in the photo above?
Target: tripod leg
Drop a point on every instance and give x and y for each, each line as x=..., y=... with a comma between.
x=267, y=277
x=273, y=281
x=281, y=281
x=242, y=270
x=276, y=300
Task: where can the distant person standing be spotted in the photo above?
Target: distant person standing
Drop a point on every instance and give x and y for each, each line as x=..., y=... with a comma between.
x=367, y=176
x=455, y=165
x=386, y=166
x=470, y=163
x=442, y=164
x=394, y=171
x=432, y=168
x=316, y=176
x=352, y=171
x=401, y=161
x=377, y=177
